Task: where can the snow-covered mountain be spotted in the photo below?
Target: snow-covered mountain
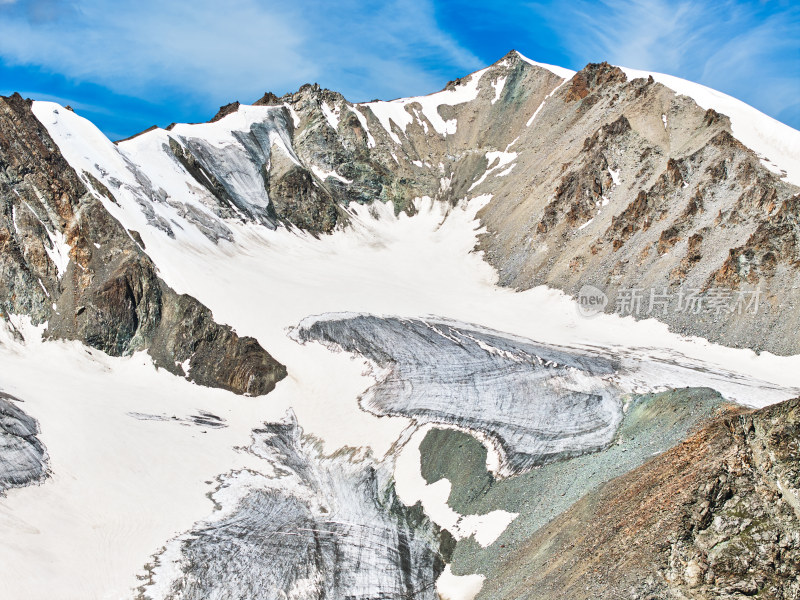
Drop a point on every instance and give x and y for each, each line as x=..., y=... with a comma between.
x=320, y=349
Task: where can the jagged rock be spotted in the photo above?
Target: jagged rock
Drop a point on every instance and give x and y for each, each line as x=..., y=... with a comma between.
x=717, y=516
x=226, y=110
x=67, y=262
x=591, y=77
x=23, y=459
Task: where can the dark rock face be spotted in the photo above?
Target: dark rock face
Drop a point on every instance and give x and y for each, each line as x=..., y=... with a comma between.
x=66, y=261
x=297, y=199
x=224, y=111
x=717, y=516
x=23, y=459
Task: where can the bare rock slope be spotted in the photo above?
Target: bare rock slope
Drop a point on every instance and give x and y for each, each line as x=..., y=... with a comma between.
x=714, y=517
x=67, y=262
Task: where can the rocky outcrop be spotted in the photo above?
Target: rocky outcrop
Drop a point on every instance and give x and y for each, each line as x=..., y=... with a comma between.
x=67, y=262
x=592, y=77
x=775, y=242
x=23, y=459
x=623, y=185
x=296, y=197
x=717, y=516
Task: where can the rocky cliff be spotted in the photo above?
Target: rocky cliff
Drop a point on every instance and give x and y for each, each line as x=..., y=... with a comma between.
x=67, y=263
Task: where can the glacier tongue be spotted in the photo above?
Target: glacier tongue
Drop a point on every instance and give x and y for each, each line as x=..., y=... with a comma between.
x=537, y=403
x=315, y=527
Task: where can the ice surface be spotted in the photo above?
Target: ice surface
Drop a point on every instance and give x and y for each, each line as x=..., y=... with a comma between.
x=536, y=402
x=321, y=527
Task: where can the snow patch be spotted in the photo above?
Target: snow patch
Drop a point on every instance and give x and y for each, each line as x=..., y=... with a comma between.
x=541, y=106
x=294, y=115
x=363, y=121
x=458, y=587
x=411, y=488
x=498, y=88
x=323, y=175
x=58, y=249
x=395, y=111
x=560, y=71
x=496, y=160
x=331, y=115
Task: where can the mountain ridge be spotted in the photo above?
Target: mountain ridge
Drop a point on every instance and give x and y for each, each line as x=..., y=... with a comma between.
x=691, y=209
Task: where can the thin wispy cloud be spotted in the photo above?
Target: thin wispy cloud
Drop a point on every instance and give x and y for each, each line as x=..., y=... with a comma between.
x=240, y=48
x=153, y=46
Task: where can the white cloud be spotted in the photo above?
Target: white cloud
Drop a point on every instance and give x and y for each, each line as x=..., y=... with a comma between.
x=238, y=49
x=127, y=47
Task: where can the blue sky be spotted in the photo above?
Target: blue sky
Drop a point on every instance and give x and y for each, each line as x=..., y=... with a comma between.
x=128, y=65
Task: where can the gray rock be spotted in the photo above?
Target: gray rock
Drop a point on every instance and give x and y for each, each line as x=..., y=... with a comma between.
x=109, y=295
x=23, y=459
